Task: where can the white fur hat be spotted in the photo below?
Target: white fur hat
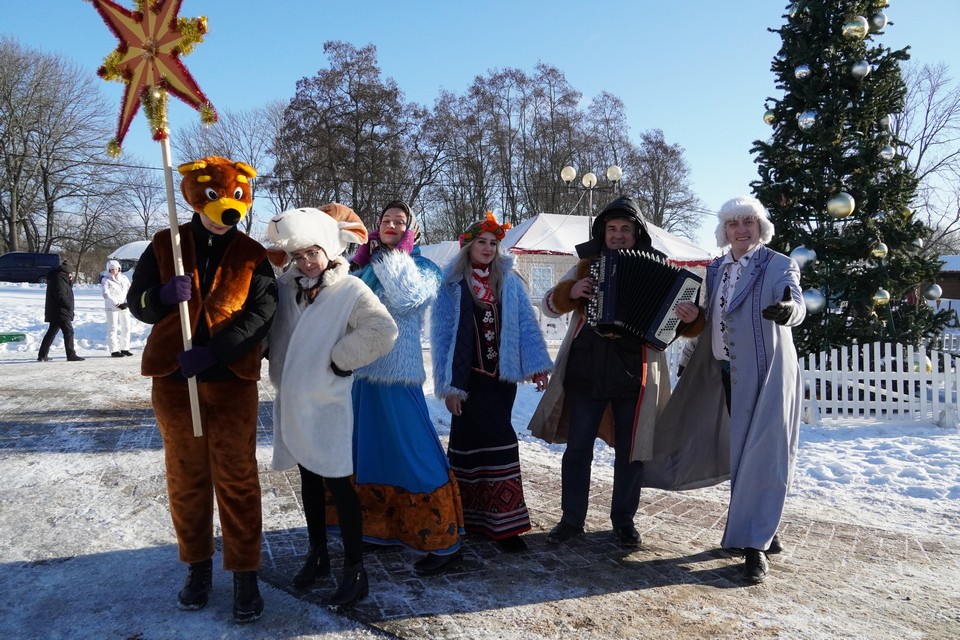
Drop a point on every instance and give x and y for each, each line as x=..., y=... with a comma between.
x=112, y=264
x=739, y=208
x=332, y=227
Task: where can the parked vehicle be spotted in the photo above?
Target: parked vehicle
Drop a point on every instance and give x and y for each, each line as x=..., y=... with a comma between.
x=128, y=255
x=21, y=266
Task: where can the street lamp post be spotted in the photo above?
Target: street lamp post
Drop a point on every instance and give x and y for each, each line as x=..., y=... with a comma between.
x=589, y=181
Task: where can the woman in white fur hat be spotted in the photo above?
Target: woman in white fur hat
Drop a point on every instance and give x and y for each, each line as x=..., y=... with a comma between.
x=114, y=287
x=327, y=324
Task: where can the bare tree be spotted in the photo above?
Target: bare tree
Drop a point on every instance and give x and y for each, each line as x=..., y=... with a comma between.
x=663, y=185
x=244, y=135
x=929, y=128
x=52, y=127
x=145, y=197
x=345, y=132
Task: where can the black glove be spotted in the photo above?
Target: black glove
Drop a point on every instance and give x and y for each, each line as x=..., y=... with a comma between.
x=343, y=373
x=780, y=312
x=122, y=306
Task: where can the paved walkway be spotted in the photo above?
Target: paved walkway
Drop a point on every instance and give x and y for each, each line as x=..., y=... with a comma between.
x=834, y=580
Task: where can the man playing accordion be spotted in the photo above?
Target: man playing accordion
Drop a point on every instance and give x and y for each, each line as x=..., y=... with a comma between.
x=596, y=371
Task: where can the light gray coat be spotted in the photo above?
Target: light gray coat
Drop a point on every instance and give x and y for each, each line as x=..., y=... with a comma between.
x=756, y=445
x=313, y=408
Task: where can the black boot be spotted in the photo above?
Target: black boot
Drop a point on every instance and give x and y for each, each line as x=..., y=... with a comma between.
x=353, y=587
x=247, y=603
x=193, y=596
x=317, y=563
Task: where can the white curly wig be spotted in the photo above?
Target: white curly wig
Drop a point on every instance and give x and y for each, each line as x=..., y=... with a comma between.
x=739, y=208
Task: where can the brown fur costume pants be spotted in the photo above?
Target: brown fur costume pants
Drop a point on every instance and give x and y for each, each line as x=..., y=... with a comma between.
x=222, y=462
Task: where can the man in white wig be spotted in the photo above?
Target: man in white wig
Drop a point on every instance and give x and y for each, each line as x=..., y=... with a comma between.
x=328, y=323
x=743, y=378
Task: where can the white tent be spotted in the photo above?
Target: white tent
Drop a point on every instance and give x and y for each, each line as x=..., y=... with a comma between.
x=442, y=253
x=555, y=234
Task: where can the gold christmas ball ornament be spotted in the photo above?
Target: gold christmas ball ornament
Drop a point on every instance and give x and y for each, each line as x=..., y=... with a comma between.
x=856, y=29
x=801, y=72
x=860, y=69
x=905, y=211
x=878, y=21
x=769, y=117
x=888, y=153
x=841, y=205
x=806, y=119
x=879, y=250
x=814, y=300
x=802, y=255
x=932, y=292
x=881, y=297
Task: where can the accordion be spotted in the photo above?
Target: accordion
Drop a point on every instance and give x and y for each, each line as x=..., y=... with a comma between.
x=636, y=293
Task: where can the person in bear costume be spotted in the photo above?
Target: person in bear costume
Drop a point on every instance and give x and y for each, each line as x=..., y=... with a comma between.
x=231, y=293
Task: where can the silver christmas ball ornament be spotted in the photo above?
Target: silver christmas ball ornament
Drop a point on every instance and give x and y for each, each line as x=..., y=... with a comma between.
x=860, y=69
x=806, y=119
x=841, y=205
x=856, y=29
x=814, y=300
x=881, y=297
x=802, y=255
x=888, y=153
x=932, y=292
x=878, y=21
x=885, y=122
x=801, y=72
x=769, y=117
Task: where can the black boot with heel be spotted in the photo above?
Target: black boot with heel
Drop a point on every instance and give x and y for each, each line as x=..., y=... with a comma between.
x=317, y=563
x=353, y=587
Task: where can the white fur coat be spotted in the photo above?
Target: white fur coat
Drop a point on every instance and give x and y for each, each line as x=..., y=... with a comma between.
x=313, y=411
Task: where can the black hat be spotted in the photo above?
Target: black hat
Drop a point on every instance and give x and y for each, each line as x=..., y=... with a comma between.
x=626, y=208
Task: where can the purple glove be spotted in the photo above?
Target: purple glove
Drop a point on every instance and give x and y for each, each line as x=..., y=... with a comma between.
x=178, y=289
x=406, y=242
x=362, y=256
x=196, y=360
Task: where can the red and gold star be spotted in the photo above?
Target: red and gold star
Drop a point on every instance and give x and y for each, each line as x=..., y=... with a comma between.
x=152, y=39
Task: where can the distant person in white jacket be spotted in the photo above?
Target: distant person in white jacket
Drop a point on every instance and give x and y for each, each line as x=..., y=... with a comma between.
x=114, y=287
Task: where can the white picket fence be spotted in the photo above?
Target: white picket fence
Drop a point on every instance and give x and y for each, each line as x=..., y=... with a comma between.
x=881, y=381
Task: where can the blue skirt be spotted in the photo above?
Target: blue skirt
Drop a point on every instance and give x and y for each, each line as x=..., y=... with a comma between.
x=408, y=494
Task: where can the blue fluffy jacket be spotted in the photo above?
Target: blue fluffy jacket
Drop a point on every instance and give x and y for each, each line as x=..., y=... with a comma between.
x=523, y=351
x=406, y=285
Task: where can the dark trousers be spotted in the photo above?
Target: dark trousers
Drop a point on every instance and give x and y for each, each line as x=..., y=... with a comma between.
x=66, y=326
x=585, y=415
x=348, y=511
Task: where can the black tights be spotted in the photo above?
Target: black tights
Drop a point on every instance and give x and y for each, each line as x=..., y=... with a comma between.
x=348, y=511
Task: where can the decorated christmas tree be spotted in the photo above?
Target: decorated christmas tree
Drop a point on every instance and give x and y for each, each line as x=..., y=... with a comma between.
x=834, y=180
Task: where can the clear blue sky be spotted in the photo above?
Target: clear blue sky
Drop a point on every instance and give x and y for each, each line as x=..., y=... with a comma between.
x=698, y=70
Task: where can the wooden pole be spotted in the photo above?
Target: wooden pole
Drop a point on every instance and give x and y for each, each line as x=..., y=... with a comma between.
x=178, y=270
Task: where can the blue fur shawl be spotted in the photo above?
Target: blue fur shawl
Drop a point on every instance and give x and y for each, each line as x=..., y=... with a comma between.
x=523, y=351
x=406, y=285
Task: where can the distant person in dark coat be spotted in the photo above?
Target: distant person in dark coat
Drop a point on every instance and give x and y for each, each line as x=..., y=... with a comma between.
x=58, y=311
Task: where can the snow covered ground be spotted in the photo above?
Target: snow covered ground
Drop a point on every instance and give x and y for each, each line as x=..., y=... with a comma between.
x=890, y=475
x=872, y=472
